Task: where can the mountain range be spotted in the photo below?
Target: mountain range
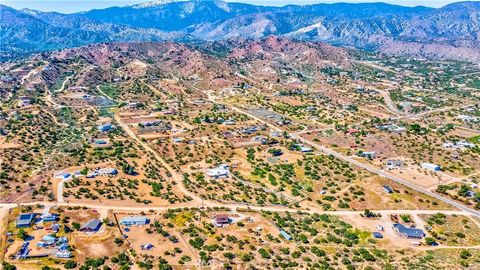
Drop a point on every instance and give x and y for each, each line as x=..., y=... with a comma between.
x=450, y=32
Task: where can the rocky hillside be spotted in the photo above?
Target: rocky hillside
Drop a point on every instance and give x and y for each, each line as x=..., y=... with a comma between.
x=452, y=31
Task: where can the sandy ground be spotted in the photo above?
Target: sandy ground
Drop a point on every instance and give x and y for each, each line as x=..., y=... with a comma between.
x=417, y=176
x=8, y=145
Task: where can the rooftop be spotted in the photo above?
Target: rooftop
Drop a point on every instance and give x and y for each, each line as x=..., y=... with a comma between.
x=409, y=232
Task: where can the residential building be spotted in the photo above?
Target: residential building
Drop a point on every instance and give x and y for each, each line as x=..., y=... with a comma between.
x=466, y=118
x=134, y=220
x=24, y=220
x=105, y=127
x=63, y=175
x=458, y=145
x=107, y=171
x=221, y=171
x=407, y=232
x=285, y=235
x=394, y=164
x=302, y=148
x=220, y=220
x=63, y=254
x=431, y=166
x=388, y=189
x=367, y=154
x=92, y=225
x=49, y=218
x=49, y=239
x=177, y=140
x=229, y=122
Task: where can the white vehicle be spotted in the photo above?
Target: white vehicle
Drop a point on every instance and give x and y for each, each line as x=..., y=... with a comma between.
x=415, y=243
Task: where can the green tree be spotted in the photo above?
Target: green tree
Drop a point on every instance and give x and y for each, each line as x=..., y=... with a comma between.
x=22, y=234
x=7, y=266
x=70, y=265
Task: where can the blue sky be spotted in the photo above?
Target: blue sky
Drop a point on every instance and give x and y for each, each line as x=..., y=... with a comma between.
x=69, y=6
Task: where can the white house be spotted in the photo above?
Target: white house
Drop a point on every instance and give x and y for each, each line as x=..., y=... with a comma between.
x=108, y=171
x=458, y=145
x=431, y=166
x=394, y=164
x=221, y=171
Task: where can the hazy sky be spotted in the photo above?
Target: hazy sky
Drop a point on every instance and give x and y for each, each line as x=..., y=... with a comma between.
x=69, y=6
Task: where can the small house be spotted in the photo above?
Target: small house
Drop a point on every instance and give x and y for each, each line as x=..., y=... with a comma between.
x=431, y=166
x=108, y=171
x=63, y=246
x=388, y=189
x=24, y=220
x=42, y=244
x=220, y=220
x=130, y=221
x=63, y=175
x=92, y=225
x=394, y=164
x=177, y=140
x=49, y=218
x=367, y=154
x=221, y=171
x=100, y=142
x=63, y=254
x=146, y=247
x=302, y=148
x=49, y=239
x=56, y=227
x=105, y=127
x=229, y=122
x=285, y=235
x=410, y=233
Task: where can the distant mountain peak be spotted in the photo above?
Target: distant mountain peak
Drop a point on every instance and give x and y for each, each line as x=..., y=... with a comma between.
x=453, y=30
x=156, y=3
x=31, y=11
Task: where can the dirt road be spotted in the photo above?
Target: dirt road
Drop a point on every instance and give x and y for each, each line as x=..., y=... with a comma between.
x=177, y=177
